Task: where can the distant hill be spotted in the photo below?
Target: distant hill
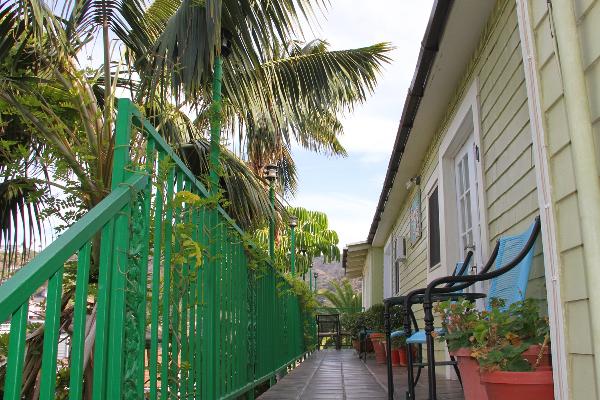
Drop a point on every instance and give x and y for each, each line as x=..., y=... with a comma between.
x=330, y=272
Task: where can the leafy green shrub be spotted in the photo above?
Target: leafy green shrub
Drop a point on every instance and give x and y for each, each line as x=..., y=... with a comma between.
x=498, y=337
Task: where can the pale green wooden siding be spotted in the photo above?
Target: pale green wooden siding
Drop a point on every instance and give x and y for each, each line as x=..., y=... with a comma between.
x=509, y=180
x=508, y=169
x=564, y=192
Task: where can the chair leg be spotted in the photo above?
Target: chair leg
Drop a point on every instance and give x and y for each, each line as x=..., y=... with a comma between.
x=455, y=365
x=410, y=393
x=420, y=368
x=388, y=331
x=430, y=350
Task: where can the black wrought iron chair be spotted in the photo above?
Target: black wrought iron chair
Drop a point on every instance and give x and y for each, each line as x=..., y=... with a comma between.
x=512, y=257
x=410, y=323
x=328, y=325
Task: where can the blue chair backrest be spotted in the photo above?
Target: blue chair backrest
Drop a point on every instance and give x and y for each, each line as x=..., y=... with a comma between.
x=512, y=285
x=457, y=270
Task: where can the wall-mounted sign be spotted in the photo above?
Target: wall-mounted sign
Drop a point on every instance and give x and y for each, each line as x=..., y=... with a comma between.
x=415, y=218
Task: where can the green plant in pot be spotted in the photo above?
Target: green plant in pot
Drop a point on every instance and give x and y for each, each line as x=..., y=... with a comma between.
x=353, y=324
x=399, y=357
x=374, y=322
x=500, y=342
x=459, y=319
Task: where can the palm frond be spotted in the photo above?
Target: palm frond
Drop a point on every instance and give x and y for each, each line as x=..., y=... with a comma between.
x=20, y=221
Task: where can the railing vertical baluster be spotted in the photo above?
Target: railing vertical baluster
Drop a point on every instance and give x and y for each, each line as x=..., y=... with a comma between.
x=13, y=379
x=166, y=321
x=102, y=305
x=176, y=299
x=193, y=304
x=51, y=336
x=220, y=310
x=200, y=309
x=154, y=308
x=79, y=323
x=185, y=288
x=230, y=320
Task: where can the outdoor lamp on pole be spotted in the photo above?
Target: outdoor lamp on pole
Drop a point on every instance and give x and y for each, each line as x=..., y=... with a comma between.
x=271, y=176
x=293, y=224
x=315, y=275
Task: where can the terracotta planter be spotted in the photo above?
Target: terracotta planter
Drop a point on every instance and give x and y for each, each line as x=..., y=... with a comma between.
x=395, y=357
x=531, y=355
x=469, y=373
x=403, y=352
x=379, y=346
x=501, y=385
x=402, y=356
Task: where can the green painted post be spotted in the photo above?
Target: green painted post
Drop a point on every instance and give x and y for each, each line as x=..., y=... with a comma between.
x=293, y=247
x=272, y=222
x=215, y=125
x=310, y=278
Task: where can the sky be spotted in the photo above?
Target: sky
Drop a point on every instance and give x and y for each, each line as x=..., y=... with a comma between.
x=347, y=189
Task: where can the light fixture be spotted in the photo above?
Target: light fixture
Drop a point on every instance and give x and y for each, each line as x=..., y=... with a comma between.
x=415, y=180
x=270, y=172
x=293, y=221
x=316, y=274
x=226, y=42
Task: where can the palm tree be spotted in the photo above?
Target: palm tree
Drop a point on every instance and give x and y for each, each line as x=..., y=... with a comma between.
x=342, y=297
x=313, y=239
x=56, y=117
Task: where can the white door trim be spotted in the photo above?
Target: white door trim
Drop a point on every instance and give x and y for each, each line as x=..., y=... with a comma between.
x=465, y=122
x=541, y=159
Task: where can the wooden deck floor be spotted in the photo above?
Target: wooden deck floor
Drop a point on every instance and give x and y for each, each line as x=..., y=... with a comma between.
x=331, y=374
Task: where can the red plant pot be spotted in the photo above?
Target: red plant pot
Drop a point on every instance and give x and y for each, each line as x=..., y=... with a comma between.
x=380, y=350
x=402, y=356
x=395, y=357
x=473, y=389
x=531, y=355
x=501, y=385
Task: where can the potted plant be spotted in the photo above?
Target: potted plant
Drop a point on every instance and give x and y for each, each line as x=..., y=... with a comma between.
x=353, y=323
x=459, y=318
x=374, y=323
x=399, y=357
x=501, y=338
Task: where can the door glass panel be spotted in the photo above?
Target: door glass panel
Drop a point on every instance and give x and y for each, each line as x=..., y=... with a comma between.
x=464, y=192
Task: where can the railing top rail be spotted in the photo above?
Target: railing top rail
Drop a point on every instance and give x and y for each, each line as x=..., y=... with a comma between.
x=142, y=122
x=17, y=289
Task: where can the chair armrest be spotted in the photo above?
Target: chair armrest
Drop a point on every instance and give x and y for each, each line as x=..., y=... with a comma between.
x=484, y=275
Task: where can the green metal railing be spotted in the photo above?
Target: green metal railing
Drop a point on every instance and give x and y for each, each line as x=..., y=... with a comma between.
x=180, y=311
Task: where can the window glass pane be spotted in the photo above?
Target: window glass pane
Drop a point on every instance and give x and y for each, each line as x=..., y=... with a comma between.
x=434, y=229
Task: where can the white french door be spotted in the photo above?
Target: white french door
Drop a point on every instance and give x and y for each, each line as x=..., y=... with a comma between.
x=469, y=237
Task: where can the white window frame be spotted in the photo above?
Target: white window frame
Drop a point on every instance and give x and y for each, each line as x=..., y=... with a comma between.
x=454, y=138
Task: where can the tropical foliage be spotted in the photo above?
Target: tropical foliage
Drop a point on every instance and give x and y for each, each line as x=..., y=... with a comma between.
x=342, y=297
x=57, y=113
x=313, y=239
x=56, y=117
